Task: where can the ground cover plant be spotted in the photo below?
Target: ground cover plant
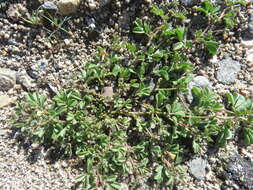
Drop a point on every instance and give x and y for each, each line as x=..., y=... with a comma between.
x=142, y=132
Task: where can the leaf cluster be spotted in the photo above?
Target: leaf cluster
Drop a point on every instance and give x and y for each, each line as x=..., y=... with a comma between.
x=147, y=128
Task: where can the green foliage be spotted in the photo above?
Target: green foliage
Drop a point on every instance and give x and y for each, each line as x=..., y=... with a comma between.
x=147, y=128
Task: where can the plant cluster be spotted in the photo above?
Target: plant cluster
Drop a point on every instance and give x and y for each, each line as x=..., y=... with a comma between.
x=146, y=129
x=52, y=23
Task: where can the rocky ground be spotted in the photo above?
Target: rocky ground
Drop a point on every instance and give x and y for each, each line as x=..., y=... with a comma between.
x=33, y=57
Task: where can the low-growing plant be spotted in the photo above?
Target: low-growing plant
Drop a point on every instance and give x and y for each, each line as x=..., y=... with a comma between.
x=146, y=128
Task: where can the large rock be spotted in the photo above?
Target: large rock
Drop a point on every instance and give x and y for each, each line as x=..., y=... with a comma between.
x=67, y=7
x=228, y=70
x=198, y=82
x=7, y=79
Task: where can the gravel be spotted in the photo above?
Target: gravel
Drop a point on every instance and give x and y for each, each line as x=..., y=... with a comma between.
x=23, y=168
x=30, y=60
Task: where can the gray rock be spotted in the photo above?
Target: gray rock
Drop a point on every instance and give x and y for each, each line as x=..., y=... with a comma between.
x=199, y=82
x=25, y=80
x=197, y=167
x=228, y=69
x=240, y=171
x=48, y=5
x=7, y=79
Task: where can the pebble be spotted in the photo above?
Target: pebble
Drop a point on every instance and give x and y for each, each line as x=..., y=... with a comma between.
x=49, y=5
x=197, y=167
x=7, y=79
x=67, y=7
x=227, y=71
x=92, y=5
x=188, y=2
x=107, y=91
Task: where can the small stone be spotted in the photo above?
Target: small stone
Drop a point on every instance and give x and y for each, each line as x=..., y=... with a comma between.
x=107, y=92
x=64, y=164
x=3, y=132
x=7, y=79
x=67, y=7
x=92, y=6
x=198, y=82
x=48, y=5
x=214, y=59
x=5, y=100
x=228, y=70
x=197, y=168
x=188, y=2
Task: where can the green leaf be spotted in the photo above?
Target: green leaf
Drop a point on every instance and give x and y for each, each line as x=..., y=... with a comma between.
x=132, y=47
x=180, y=32
x=157, y=11
x=156, y=150
x=176, y=109
x=160, y=97
x=35, y=99
x=248, y=136
x=196, y=147
x=178, y=46
x=159, y=174
x=144, y=90
x=239, y=103
x=212, y=47
x=116, y=70
x=224, y=135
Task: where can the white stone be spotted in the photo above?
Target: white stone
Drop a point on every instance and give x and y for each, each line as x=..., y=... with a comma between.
x=92, y=6
x=214, y=59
